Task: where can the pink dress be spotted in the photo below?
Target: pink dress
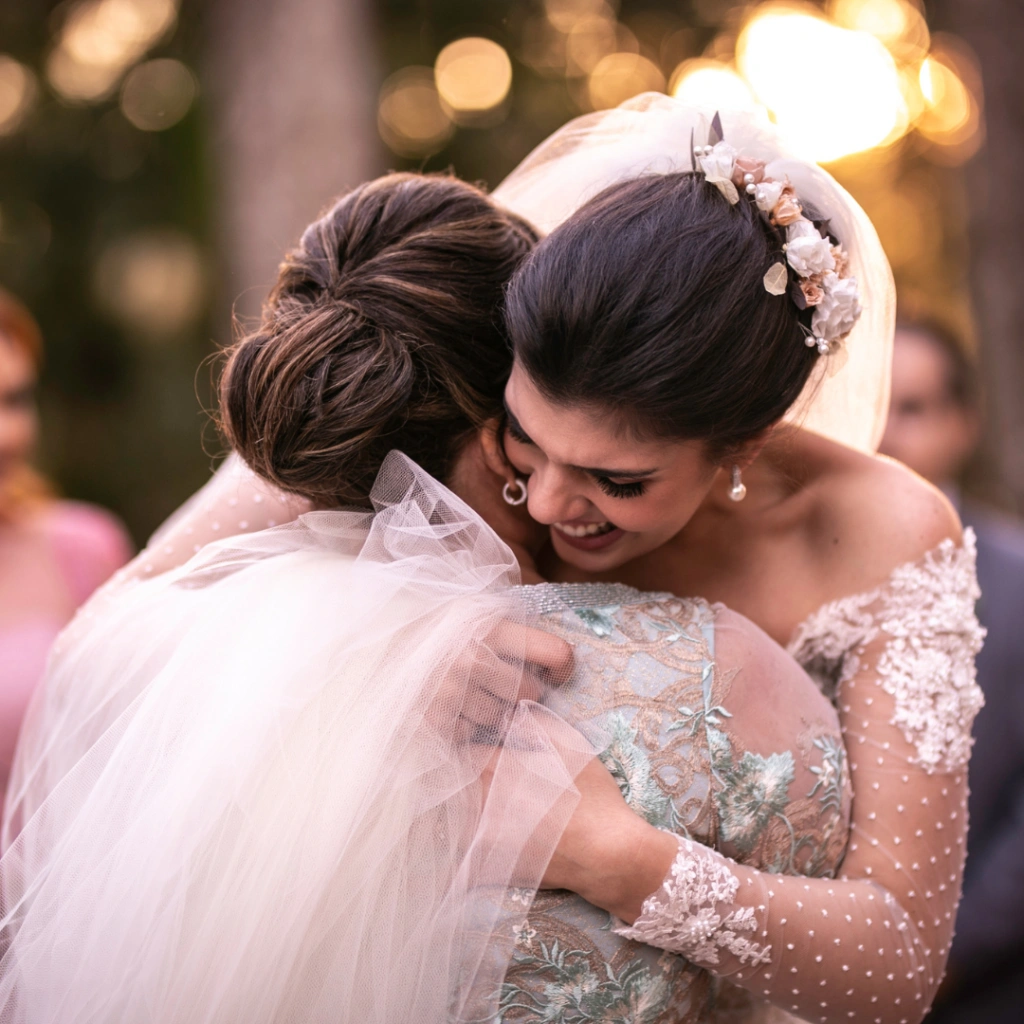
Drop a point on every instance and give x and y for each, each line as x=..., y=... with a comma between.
x=48, y=567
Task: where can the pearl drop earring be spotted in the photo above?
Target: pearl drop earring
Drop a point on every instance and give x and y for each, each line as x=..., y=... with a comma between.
x=738, y=491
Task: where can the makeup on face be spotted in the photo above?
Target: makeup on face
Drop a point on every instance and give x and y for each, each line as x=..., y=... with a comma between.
x=605, y=496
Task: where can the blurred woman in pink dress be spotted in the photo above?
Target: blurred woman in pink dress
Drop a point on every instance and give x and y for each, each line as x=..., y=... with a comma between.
x=53, y=554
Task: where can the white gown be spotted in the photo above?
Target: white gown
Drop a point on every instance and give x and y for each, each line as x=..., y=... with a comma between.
x=244, y=792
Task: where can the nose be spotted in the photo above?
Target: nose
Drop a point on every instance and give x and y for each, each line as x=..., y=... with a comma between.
x=555, y=497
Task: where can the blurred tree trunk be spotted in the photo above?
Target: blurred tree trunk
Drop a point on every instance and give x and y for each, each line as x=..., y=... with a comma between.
x=293, y=86
x=995, y=31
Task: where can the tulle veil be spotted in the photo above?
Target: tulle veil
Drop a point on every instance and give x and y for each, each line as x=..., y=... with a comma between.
x=847, y=398
x=305, y=682
x=263, y=749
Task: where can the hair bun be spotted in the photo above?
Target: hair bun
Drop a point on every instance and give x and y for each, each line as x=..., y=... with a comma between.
x=383, y=331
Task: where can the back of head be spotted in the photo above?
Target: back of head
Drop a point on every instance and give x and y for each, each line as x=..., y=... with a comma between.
x=384, y=331
x=650, y=302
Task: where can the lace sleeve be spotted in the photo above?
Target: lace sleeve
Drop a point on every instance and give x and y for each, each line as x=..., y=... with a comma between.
x=234, y=501
x=872, y=944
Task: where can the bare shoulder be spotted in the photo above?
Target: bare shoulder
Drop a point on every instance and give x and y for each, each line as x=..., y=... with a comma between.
x=871, y=514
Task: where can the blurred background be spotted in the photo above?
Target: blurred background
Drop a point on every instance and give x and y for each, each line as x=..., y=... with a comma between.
x=157, y=157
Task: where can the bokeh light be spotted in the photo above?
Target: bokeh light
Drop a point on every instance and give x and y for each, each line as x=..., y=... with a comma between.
x=710, y=83
x=152, y=282
x=410, y=116
x=565, y=14
x=18, y=92
x=473, y=76
x=620, y=76
x=899, y=24
x=158, y=94
x=100, y=39
x=589, y=41
x=952, y=116
x=833, y=91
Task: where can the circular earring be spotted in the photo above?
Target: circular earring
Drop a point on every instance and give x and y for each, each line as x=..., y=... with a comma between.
x=738, y=491
x=506, y=492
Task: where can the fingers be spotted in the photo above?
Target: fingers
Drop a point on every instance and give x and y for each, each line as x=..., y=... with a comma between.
x=547, y=652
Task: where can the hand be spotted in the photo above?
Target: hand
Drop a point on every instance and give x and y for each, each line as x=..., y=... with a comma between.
x=609, y=854
x=513, y=663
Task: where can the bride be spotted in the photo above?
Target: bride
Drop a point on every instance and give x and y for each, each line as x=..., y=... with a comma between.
x=247, y=792
x=755, y=932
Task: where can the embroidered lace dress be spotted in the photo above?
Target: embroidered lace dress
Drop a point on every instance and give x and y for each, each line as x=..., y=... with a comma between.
x=712, y=733
x=870, y=945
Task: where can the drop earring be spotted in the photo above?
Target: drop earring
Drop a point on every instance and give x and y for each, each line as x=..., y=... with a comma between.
x=506, y=492
x=738, y=491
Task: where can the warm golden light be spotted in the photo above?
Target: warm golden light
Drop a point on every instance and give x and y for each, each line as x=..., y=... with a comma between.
x=153, y=282
x=591, y=39
x=158, y=94
x=899, y=24
x=472, y=76
x=620, y=76
x=952, y=116
x=833, y=91
x=100, y=39
x=564, y=14
x=410, y=117
x=709, y=83
x=17, y=93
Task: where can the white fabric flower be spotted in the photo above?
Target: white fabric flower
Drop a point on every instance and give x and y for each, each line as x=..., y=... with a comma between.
x=802, y=228
x=838, y=310
x=767, y=194
x=810, y=253
x=718, y=166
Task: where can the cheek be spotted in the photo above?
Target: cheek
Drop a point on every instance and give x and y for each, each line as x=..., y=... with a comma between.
x=662, y=514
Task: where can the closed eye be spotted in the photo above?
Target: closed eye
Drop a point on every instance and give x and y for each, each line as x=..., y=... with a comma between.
x=516, y=432
x=614, y=490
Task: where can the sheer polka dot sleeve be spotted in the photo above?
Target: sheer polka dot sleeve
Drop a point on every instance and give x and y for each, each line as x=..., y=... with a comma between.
x=870, y=945
x=234, y=501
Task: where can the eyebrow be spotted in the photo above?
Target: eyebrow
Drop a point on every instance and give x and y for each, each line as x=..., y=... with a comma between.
x=632, y=474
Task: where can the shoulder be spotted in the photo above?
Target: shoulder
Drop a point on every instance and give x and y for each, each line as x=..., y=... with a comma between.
x=89, y=542
x=872, y=515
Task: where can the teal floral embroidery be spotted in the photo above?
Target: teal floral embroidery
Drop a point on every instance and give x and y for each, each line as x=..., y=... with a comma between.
x=830, y=775
x=756, y=790
x=600, y=620
x=631, y=768
x=576, y=994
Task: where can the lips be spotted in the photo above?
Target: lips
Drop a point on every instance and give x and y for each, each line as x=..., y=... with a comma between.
x=587, y=536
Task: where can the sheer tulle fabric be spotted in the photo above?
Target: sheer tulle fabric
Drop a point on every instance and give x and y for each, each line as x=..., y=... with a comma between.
x=250, y=793
x=845, y=400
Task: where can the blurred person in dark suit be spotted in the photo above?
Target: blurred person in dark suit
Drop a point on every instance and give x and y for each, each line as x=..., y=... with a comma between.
x=933, y=427
x=53, y=554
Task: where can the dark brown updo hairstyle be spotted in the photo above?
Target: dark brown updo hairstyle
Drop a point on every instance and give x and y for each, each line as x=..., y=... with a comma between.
x=384, y=331
x=649, y=302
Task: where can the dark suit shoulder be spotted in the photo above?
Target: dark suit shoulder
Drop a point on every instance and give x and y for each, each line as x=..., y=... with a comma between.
x=999, y=535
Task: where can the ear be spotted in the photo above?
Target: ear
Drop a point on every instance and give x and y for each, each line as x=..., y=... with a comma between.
x=752, y=448
x=493, y=450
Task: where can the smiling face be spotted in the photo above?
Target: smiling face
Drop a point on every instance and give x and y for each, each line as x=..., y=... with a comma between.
x=607, y=497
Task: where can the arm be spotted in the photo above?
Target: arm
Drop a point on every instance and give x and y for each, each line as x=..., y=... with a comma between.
x=870, y=945
x=234, y=501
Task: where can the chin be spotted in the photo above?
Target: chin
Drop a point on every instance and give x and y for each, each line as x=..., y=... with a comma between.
x=596, y=557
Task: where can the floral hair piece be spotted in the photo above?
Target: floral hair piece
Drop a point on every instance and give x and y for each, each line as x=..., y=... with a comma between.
x=820, y=265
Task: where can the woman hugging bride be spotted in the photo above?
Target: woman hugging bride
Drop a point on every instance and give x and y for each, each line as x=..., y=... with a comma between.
x=342, y=767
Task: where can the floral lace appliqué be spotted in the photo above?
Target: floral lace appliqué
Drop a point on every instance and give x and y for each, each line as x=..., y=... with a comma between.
x=926, y=612
x=689, y=914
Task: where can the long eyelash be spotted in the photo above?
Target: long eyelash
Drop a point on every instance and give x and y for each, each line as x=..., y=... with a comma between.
x=516, y=434
x=614, y=490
